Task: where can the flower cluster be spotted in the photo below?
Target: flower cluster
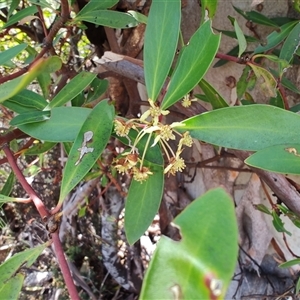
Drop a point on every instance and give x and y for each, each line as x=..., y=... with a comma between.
x=149, y=125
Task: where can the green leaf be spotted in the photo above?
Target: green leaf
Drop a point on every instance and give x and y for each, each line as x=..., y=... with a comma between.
x=138, y=16
x=10, y=53
x=142, y=203
x=96, y=5
x=43, y=4
x=251, y=127
x=262, y=208
x=201, y=264
x=13, y=5
x=88, y=146
x=242, y=84
x=278, y=224
x=5, y=199
x=290, y=263
x=14, y=86
x=160, y=43
x=25, y=12
x=25, y=101
x=12, y=287
x=213, y=97
x=63, y=125
x=109, y=18
x=241, y=38
x=26, y=258
x=256, y=17
x=291, y=44
x=276, y=37
x=278, y=158
x=269, y=85
x=232, y=34
x=193, y=63
x=8, y=185
x=33, y=116
x=208, y=8
x=233, y=52
x=277, y=101
x=72, y=89
x=297, y=288
x=97, y=88
x=39, y=148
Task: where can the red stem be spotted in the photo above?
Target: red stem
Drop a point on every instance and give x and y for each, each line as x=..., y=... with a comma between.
x=44, y=213
x=59, y=252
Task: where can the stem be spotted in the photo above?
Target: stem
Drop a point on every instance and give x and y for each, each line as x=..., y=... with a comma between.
x=64, y=266
x=44, y=213
x=229, y=58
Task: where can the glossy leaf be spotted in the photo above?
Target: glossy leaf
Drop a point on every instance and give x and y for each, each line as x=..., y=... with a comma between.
x=209, y=8
x=232, y=34
x=269, y=85
x=96, y=5
x=291, y=44
x=213, y=97
x=13, y=5
x=14, y=86
x=25, y=101
x=109, y=18
x=201, y=264
x=12, y=287
x=88, y=146
x=160, y=43
x=256, y=17
x=251, y=127
x=72, y=89
x=21, y=14
x=240, y=37
x=138, y=16
x=142, y=203
x=276, y=37
x=63, y=125
x=25, y=258
x=97, y=88
x=10, y=53
x=193, y=63
x=279, y=158
x=32, y=116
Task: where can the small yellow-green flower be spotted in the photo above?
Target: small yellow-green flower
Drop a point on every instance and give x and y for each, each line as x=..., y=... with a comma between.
x=186, y=140
x=141, y=174
x=176, y=164
x=122, y=128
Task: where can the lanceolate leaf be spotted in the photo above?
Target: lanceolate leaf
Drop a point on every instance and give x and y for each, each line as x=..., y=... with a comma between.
x=32, y=116
x=12, y=287
x=279, y=158
x=8, y=54
x=96, y=5
x=241, y=38
x=275, y=38
x=25, y=101
x=193, y=63
x=109, y=18
x=200, y=265
x=213, y=97
x=291, y=44
x=72, y=89
x=25, y=12
x=142, y=203
x=251, y=127
x=63, y=125
x=12, y=265
x=13, y=87
x=88, y=146
x=161, y=39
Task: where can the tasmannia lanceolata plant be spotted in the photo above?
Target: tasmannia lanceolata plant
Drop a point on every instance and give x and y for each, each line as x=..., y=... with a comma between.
x=55, y=110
